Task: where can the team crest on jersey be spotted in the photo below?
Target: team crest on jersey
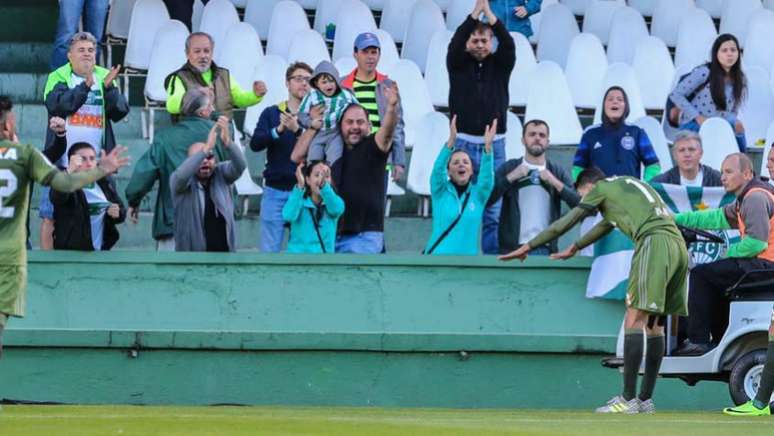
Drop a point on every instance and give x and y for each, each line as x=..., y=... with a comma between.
x=627, y=142
x=8, y=153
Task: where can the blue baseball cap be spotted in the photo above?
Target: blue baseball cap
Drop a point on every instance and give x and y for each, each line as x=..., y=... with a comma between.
x=365, y=40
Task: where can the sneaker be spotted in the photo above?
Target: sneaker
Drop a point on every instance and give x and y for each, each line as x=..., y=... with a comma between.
x=647, y=406
x=618, y=404
x=747, y=409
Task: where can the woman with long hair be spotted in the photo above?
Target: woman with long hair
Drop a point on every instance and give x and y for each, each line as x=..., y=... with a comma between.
x=715, y=89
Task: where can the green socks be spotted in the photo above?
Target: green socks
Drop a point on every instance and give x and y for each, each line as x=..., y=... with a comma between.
x=633, y=345
x=653, y=357
x=766, y=387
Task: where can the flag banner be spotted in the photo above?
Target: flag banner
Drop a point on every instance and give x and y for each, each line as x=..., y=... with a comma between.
x=613, y=254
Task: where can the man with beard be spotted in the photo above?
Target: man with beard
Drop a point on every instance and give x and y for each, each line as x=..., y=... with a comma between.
x=200, y=70
x=532, y=189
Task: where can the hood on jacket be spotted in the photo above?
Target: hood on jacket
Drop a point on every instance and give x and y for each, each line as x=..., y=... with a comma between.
x=326, y=67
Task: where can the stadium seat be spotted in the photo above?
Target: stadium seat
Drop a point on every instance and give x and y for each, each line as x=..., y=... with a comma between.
x=549, y=99
x=666, y=19
x=599, y=18
x=308, y=4
x=117, y=28
x=766, y=150
x=374, y=5
x=443, y=4
x=655, y=133
x=669, y=131
x=430, y=139
x=244, y=186
x=585, y=70
x=353, y=18
x=389, y=53
x=718, y=141
x=457, y=12
x=147, y=18
x=557, y=29
x=239, y=3
x=695, y=36
x=437, y=75
x=536, y=18
x=325, y=14
x=621, y=74
x=308, y=46
x=345, y=65
x=287, y=18
x=258, y=14
x=426, y=18
x=217, y=18
x=714, y=8
x=272, y=72
x=757, y=111
x=736, y=16
x=415, y=98
x=646, y=7
x=518, y=83
x=393, y=190
x=578, y=7
x=395, y=18
x=514, y=149
x=757, y=48
x=625, y=33
x=241, y=53
x=196, y=16
x=167, y=55
x=655, y=72
x=768, y=4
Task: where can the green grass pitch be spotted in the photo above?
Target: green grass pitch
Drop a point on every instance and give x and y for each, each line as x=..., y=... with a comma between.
x=192, y=421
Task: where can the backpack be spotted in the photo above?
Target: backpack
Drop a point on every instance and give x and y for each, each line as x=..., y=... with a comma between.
x=671, y=111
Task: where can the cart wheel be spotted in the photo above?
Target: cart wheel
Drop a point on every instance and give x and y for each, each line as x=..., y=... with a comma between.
x=746, y=376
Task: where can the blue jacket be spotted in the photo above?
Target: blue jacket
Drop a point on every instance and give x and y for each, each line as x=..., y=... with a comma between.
x=280, y=171
x=464, y=238
x=503, y=9
x=616, y=150
x=298, y=212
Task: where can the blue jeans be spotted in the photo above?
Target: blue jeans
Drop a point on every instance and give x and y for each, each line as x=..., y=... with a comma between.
x=489, y=243
x=94, y=13
x=361, y=243
x=46, y=207
x=540, y=251
x=741, y=139
x=272, y=224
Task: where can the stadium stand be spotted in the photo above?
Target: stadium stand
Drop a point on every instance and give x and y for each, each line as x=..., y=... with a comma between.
x=437, y=75
x=514, y=149
x=621, y=74
x=757, y=111
x=217, y=19
x=585, y=70
x=352, y=19
x=395, y=18
x=757, y=47
x=258, y=13
x=652, y=127
x=598, y=18
x=557, y=29
x=287, y=18
x=549, y=99
x=308, y=46
x=518, y=83
x=694, y=39
x=666, y=19
x=627, y=30
x=429, y=141
x=718, y=141
x=426, y=19
x=736, y=15
x=147, y=18
x=654, y=70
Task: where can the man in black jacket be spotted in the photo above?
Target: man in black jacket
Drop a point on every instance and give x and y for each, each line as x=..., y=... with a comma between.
x=689, y=171
x=86, y=219
x=532, y=189
x=478, y=93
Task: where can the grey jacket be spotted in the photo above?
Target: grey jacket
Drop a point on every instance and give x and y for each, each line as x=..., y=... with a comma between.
x=696, y=83
x=672, y=176
x=188, y=198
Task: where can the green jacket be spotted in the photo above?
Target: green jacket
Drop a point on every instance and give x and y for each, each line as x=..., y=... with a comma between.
x=299, y=211
x=168, y=151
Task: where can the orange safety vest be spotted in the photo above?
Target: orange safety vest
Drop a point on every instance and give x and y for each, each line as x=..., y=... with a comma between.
x=768, y=253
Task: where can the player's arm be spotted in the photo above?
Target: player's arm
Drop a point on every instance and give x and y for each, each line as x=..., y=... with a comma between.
x=560, y=226
x=43, y=172
x=597, y=232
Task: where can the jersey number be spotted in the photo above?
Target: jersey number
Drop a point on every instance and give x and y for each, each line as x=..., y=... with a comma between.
x=637, y=184
x=6, y=191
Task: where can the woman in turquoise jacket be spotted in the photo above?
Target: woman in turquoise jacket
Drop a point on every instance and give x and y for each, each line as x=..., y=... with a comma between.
x=313, y=210
x=453, y=190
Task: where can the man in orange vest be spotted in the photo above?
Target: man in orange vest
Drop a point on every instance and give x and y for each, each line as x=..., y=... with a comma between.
x=753, y=214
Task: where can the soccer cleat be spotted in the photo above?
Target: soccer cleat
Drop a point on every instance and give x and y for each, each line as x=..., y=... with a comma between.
x=618, y=404
x=647, y=407
x=747, y=409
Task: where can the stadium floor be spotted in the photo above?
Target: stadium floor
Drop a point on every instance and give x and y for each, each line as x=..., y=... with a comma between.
x=141, y=420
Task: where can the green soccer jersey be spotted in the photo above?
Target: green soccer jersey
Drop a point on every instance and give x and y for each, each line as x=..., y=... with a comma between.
x=20, y=164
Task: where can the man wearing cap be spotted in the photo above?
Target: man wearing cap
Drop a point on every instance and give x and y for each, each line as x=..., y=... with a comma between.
x=368, y=86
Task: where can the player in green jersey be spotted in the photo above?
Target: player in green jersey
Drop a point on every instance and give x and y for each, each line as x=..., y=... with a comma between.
x=657, y=279
x=21, y=164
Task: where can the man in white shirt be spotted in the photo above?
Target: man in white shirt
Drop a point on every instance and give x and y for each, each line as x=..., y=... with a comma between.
x=687, y=152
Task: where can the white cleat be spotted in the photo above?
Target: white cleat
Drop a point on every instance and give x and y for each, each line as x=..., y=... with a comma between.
x=618, y=404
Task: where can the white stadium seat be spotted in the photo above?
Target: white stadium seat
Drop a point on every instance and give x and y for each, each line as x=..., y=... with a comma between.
x=599, y=18
x=117, y=28
x=646, y=7
x=395, y=18
x=537, y=18
x=655, y=72
x=437, y=75
x=758, y=46
x=239, y=3
x=415, y=98
x=557, y=29
x=196, y=16
x=308, y=46
x=241, y=53
x=430, y=139
x=147, y=18
x=666, y=19
x=695, y=36
x=768, y=4
x=518, y=83
x=457, y=12
x=272, y=72
x=325, y=14
x=353, y=18
x=426, y=18
x=217, y=18
x=345, y=65
x=287, y=18
x=655, y=133
x=585, y=70
x=550, y=100
x=757, y=111
x=374, y=5
x=389, y=53
x=258, y=14
x=626, y=32
x=621, y=74
x=718, y=141
x=309, y=4
x=443, y=4
x=736, y=16
x=714, y=8
x=578, y=7
x=514, y=149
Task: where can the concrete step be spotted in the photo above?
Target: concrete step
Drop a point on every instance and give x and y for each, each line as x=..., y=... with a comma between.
x=28, y=20
x=25, y=57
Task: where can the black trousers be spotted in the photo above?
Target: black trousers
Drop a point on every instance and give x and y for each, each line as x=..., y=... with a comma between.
x=181, y=10
x=708, y=305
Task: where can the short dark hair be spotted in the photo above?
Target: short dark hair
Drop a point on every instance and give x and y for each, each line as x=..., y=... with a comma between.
x=536, y=122
x=348, y=108
x=77, y=147
x=297, y=66
x=6, y=106
x=482, y=27
x=589, y=175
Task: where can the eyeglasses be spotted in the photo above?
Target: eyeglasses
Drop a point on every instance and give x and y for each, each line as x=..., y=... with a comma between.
x=302, y=79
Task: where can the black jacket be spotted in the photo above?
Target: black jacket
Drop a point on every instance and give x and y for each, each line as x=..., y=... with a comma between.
x=72, y=223
x=510, y=215
x=478, y=91
x=672, y=176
